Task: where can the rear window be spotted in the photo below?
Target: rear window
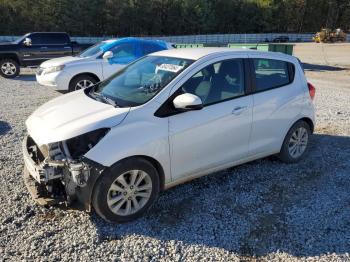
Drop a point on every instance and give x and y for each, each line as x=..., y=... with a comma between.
x=270, y=73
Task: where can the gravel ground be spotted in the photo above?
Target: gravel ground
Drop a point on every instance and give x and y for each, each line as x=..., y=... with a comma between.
x=264, y=210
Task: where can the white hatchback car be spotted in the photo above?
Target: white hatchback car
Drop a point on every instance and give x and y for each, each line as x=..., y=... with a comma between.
x=167, y=118
x=95, y=64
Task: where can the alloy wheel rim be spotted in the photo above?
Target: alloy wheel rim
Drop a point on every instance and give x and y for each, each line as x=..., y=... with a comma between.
x=83, y=84
x=298, y=142
x=8, y=68
x=129, y=192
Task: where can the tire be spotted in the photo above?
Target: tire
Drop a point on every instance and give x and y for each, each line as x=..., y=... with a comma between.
x=81, y=81
x=9, y=68
x=299, y=132
x=110, y=198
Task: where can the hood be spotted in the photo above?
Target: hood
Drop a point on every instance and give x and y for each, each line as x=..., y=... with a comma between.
x=8, y=46
x=71, y=115
x=61, y=61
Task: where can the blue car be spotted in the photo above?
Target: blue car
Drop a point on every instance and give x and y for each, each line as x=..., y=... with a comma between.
x=95, y=63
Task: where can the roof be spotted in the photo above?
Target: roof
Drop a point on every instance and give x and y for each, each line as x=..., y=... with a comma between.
x=197, y=53
x=113, y=42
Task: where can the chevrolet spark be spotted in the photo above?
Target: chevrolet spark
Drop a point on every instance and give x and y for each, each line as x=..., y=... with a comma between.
x=167, y=118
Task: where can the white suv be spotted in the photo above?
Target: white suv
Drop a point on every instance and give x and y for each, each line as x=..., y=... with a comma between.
x=167, y=118
x=95, y=64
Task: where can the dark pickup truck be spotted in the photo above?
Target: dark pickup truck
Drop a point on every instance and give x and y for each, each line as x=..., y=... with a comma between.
x=32, y=49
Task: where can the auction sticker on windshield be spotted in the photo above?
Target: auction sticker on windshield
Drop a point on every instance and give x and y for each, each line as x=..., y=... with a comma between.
x=169, y=67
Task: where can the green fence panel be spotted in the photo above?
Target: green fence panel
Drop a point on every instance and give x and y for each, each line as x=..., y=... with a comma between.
x=189, y=45
x=282, y=48
x=261, y=47
x=272, y=47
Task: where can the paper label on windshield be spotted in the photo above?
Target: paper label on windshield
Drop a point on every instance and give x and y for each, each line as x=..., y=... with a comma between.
x=169, y=68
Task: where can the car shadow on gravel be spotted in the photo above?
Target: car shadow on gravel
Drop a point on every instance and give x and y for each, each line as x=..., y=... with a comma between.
x=25, y=78
x=4, y=128
x=319, y=68
x=257, y=208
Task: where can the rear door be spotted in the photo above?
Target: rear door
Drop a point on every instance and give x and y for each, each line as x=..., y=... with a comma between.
x=55, y=45
x=277, y=98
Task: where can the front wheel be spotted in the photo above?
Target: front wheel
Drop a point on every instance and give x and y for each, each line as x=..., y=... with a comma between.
x=81, y=82
x=127, y=191
x=296, y=143
x=9, y=68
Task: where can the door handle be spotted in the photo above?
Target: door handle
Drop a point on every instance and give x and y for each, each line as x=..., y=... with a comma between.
x=238, y=110
x=43, y=47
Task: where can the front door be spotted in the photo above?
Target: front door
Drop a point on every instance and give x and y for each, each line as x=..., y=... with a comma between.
x=33, y=55
x=219, y=133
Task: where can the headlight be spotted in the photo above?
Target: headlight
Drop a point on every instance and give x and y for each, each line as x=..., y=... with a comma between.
x=53, y=69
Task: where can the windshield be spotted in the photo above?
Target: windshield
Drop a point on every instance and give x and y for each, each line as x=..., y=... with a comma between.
x=142, y=80
x=92, y=50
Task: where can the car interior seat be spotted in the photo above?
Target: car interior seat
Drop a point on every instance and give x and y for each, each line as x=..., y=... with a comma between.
x=228, y=82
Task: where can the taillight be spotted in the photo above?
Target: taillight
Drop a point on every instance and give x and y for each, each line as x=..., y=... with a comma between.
x=312, y=90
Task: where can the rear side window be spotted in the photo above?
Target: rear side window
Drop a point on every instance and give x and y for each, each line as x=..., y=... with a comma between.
x=149, y=48
x=54, y=39
x=270, y=73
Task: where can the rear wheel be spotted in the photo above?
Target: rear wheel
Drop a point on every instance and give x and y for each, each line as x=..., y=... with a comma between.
x=296, y=143
x=127, y=191
x=81, y=82
x=9, y=68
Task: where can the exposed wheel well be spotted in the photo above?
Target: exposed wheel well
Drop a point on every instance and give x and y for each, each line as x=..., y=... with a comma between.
x=85, y=195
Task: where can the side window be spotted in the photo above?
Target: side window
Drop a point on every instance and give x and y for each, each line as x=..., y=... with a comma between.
x=56, y=39
x=53, y=39
x=123, y=51
x=217, y=82
x=271, y=73
x=45, y=39
x=36, y=39
x=149, y=48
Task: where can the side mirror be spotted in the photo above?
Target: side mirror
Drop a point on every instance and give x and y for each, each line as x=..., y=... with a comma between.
x=187, y=101
x=27, y=41
x=107, y=55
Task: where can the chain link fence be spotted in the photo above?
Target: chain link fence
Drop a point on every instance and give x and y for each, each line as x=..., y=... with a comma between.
x=217, y=39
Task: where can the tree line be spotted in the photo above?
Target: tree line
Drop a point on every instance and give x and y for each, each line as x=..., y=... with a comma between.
x=171, y=17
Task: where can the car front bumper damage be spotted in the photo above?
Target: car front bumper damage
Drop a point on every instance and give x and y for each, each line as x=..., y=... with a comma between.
x=52, y=178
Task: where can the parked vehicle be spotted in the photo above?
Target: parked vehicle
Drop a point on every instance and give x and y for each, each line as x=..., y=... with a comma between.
x=32, y=49
x=326, y=35
x=95, y=64
x=167, y=118
x=281, y=39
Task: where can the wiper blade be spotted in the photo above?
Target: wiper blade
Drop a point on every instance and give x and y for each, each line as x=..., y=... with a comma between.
x=104, y=99
x=109, y=101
